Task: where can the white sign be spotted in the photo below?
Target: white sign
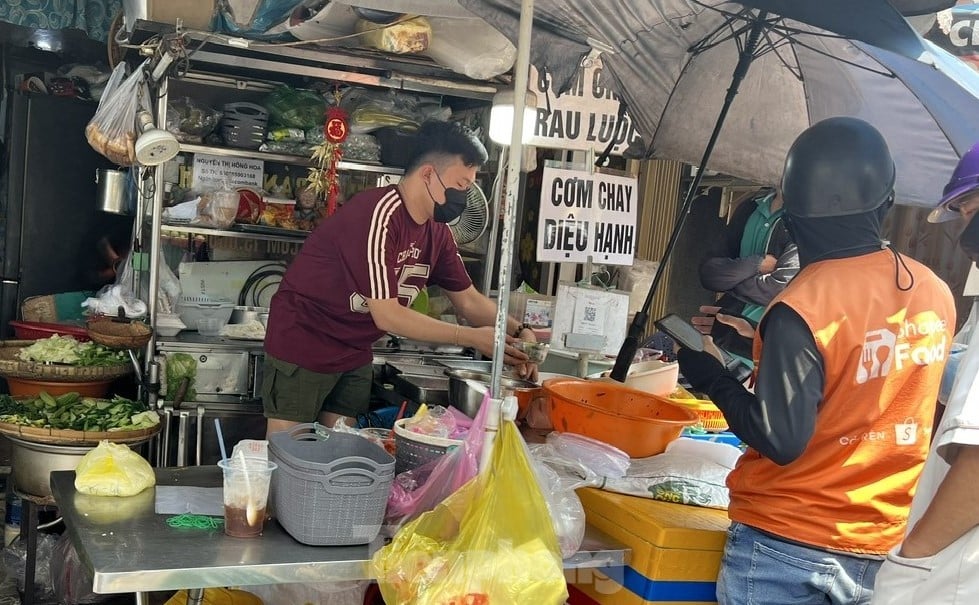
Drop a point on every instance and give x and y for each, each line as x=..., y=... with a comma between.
x=583, y=117
x=587, y=214
x=213, y=172
x=589, y=311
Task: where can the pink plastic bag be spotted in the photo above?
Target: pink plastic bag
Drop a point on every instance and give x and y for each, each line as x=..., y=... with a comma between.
x=420, y=489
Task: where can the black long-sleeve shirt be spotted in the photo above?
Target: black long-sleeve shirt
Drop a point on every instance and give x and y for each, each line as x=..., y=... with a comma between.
x=779, y=418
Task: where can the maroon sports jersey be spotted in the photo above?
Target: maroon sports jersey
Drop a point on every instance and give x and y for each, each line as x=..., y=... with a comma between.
x=371, y=248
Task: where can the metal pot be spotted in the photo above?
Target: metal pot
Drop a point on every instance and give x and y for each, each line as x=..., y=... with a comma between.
x=111, y=191
x=31, y=463
x=467, y=398
x=242, y=315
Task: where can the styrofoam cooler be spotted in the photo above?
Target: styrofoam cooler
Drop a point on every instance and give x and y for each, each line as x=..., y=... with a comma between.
x=331, y=488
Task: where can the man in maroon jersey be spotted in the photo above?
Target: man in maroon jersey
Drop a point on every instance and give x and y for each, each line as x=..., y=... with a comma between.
x=357, y=274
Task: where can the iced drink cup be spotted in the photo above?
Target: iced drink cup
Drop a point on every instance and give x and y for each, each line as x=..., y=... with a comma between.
x=246, y=492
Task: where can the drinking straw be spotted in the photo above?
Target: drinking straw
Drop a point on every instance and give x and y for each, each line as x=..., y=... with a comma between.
x=401, y=412
x=217, y=427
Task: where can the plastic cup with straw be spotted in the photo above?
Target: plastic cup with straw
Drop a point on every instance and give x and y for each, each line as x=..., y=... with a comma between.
x=246, y=488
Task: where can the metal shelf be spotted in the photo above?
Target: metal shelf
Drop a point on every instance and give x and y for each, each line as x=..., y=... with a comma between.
x=299, y=237
x=284, y=158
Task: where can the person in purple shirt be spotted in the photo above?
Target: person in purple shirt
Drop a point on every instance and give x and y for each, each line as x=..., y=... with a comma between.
x=358, y=273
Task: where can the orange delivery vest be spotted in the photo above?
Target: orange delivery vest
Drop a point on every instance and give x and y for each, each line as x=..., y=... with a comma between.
x=883, y=353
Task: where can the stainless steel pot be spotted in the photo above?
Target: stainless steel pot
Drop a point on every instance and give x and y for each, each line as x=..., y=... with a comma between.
x=467, y=397
x=31, y=463
x=111, y=191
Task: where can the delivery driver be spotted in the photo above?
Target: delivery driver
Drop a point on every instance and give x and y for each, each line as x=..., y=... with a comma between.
x=358, y=272
x=850, y=358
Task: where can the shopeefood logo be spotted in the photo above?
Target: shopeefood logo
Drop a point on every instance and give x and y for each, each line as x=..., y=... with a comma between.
x=916, y=343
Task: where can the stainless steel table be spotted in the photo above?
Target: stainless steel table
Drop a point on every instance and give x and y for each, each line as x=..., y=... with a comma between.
x=136, y=551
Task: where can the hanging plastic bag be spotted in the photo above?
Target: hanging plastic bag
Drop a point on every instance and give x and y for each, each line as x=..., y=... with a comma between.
x=421, y=489
x=564, y=507
x=491, y=542
x=72, y=581
x=112, y=130
x=112, y=469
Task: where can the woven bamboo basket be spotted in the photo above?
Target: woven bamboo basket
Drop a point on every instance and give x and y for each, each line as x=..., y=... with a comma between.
x=119, y=334
x=70, y=437
x=11, y=366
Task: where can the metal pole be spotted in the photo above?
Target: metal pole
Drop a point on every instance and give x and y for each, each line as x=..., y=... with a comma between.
x=490, y=258
x=521, y=79
x=157, y=222
x=637, y=330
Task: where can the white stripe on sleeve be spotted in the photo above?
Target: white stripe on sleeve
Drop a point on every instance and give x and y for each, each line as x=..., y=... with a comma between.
x=376, y=242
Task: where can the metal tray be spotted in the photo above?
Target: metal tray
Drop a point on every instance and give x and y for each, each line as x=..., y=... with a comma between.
x=467, y=364
x=416, y=369
x=433, y=390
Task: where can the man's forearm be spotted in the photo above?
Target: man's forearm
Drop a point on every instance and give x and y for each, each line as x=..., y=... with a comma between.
x=952, y=511
x=478, y=310
x=416, y=326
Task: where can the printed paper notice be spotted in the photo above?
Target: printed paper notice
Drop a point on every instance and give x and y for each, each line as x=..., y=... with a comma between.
x=212, y=172
x=589, y=314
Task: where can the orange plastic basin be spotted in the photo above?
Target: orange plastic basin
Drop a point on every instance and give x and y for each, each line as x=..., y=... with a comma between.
x=638, y=423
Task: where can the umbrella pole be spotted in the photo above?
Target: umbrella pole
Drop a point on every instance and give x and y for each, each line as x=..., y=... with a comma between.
x=637, y=330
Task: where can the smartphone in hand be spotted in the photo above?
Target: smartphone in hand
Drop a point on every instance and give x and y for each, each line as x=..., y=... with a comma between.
x=681, y=331
x=689, y=337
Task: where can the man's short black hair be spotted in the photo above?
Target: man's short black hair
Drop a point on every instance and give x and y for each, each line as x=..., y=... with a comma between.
x=438, y=141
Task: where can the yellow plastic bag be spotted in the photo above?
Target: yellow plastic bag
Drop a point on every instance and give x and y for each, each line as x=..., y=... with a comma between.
x=112, y=469
x=490, y=543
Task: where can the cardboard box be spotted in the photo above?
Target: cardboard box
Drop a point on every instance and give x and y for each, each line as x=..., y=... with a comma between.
x=676, y=551
x=194, y=14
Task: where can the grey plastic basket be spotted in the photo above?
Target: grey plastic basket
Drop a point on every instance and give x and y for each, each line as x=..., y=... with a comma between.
x=413, y=449
x=331, y=488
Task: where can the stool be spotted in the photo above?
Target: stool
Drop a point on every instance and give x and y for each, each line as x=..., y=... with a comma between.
x=28, y=528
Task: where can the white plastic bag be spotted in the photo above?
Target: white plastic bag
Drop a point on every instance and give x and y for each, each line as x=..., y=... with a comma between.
x=112, y=130
x=110, y=298
x=601, y=458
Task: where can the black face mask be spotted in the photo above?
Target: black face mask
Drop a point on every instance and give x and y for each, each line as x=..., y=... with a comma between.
x=969, y=240
x=455, y=203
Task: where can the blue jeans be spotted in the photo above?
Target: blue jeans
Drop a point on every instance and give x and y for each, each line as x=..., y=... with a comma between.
x=758, y=569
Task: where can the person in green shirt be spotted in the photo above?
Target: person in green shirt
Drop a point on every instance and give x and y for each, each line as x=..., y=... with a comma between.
x=753, y=263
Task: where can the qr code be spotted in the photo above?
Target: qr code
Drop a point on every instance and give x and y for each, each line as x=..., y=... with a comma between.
x=591, y=314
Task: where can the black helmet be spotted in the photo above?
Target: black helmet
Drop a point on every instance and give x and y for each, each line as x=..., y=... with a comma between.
x=837, y=167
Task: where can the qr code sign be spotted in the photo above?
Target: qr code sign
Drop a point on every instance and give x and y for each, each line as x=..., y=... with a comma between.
x=591, y=314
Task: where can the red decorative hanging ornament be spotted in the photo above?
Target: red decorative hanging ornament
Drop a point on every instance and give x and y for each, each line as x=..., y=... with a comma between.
x=323, y=176
x=335, y=130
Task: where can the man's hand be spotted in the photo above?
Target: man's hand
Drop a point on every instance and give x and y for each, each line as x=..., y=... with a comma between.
x=526, y=369
x=767, y=265
x=740, y=324
x=484, y=340
x=704, y=323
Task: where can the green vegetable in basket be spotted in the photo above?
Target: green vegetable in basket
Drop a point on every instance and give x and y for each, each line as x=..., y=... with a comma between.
x=65, y=349
x=74, y=412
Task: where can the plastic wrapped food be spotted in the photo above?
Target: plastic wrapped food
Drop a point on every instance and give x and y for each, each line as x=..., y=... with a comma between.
x=112, y=130
x=112, y=469
x=295, y=108
x=361, y=148
x=411, y=36
x=189, y=120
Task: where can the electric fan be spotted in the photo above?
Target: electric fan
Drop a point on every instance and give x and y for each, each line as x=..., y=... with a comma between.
x=472, y=222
